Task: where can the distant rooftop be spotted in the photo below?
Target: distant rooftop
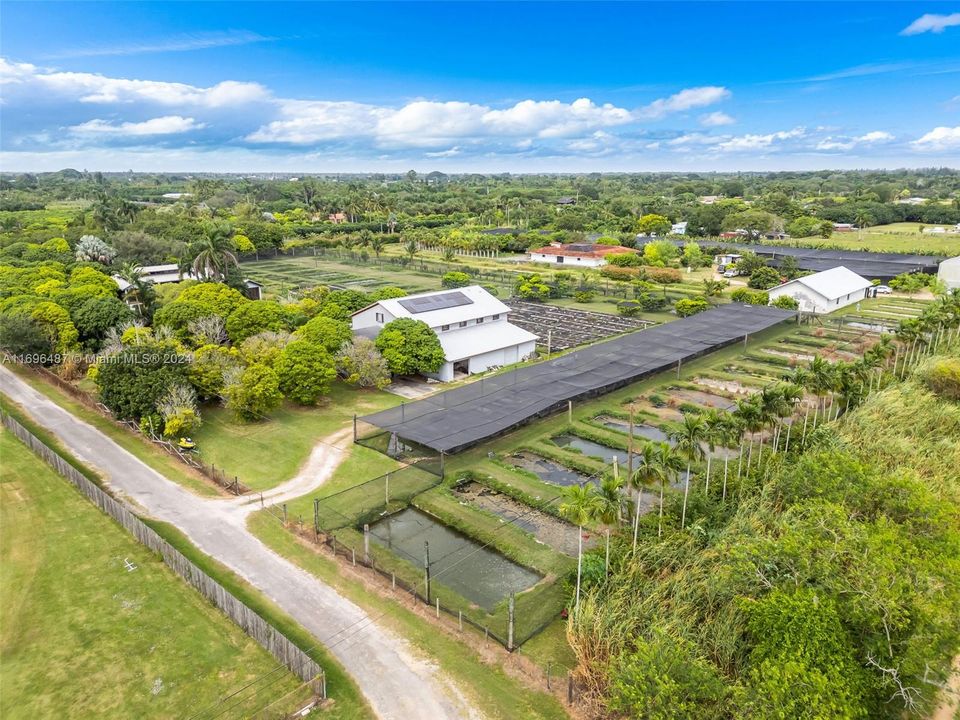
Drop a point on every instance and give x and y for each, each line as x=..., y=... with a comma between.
x=592, y=250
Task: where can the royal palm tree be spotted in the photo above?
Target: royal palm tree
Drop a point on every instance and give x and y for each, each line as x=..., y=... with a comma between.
x=750, y=415
x=731, y=434
x=714, y=421
x=791, y=395
x=822, y=379
x=649, y=472
x=668, y=462
x=688, y=438
x=214, y=255
x=580, y=506
x=773, y=406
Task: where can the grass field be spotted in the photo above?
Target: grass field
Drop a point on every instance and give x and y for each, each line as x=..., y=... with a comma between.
x=903, y=237
x=264, y=454
x=81, y=636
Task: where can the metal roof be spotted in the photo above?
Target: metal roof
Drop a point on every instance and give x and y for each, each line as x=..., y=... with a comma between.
x=831, y=284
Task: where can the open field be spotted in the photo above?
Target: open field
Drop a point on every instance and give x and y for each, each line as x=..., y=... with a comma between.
x=301, y=269
x=904, y=237
x=263, y=454
x=83, y=635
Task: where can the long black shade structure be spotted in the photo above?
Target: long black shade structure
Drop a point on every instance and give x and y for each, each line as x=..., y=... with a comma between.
x=454, y=420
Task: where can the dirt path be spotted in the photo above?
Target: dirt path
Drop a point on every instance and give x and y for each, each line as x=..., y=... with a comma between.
x=318, y=468
x=395, y=681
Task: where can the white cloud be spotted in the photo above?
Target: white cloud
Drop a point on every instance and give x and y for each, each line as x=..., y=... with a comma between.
x=749, y=142
x=687, y=99
x=93, y=88
x=597, y=142
x=931, y=23
x=167, y=125
x=939, y=139
x=452, y=152
x=716, y=119
x=311, y=121
x=430, y=124
x=426, y=124
x=697, y=138
x=876, y=136
x=553, y=118
x=848, y=143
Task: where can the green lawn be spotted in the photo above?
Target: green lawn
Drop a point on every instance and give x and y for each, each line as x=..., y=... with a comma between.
x=82, y=637
x=902, y=237
x=264, y=454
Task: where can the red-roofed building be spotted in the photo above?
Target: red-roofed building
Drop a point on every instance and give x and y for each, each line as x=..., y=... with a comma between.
x=577, y=254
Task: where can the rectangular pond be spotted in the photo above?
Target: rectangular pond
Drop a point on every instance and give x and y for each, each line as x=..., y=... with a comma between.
x=547, y=470
x=481, y=575
x=605, y=452
x=593, y=449
x=640, y=430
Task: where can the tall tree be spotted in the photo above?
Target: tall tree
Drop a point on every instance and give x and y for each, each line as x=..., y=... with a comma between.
x=213, y=255
x=689, y=437
x=580, y=506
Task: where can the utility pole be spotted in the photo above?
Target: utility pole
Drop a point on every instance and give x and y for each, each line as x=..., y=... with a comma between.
x=426, y=566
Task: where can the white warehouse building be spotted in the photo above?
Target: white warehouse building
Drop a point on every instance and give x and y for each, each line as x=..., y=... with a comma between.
x=471, y=324
x=949, y=272
x=824, y=292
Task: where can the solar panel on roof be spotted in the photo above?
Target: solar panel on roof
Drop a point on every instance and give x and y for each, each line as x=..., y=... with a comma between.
x=429, y=303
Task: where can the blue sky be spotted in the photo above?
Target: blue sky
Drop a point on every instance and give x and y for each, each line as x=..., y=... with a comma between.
x=488, y=86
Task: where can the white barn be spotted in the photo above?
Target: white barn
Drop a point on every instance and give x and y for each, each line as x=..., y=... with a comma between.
x=824, y=292
x=470, y=323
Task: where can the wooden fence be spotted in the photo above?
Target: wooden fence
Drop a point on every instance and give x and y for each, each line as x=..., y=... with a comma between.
x=211, y=472
x=295, y=659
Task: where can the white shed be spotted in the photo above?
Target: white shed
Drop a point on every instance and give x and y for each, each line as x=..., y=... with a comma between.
x=824, y=292
x=949, y=272
x=470, y=323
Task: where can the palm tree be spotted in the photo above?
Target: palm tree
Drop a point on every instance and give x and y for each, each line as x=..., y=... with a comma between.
x=410, y=248
x=140, y=293
x=610, y=500
x=580, y=506
x=773, y=406
x=750, y=414
x=214, y=254
x=668, y=462
x=731, y=434
x=822, y=379
x=863, y=220
x=649, y=472
x=688, y=438
x=377, y=244
x=714, y=421
x=791, y=395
